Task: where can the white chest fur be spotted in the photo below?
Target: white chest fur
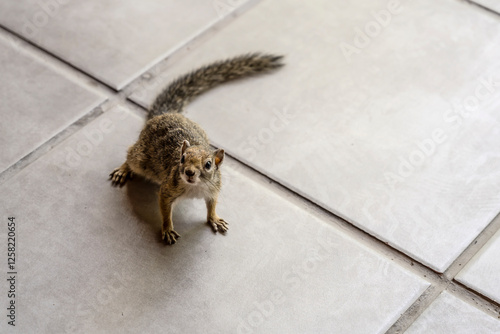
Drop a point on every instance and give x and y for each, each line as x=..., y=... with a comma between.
x=199, y=190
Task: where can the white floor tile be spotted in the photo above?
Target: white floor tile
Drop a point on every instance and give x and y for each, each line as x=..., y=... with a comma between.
x=90, y=259
x=491, y=4
x=449, y=314
x=397, y=132
x=112, y=40
x=482, y=273
x=36, y=103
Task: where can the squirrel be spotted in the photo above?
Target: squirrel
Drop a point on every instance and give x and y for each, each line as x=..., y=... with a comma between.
x=175, y=152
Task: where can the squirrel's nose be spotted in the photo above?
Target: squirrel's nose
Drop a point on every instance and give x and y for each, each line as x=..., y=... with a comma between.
x=189, y=172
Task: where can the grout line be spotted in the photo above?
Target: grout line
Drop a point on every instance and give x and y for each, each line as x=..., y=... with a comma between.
x=482, y=7
x=366, y=238
x=459, y=291
x=470, y=296
x=47, y=146
x=475, y=246
x=56, y=62
x=416, y=309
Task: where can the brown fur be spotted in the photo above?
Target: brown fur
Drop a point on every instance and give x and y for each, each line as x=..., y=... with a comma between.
x=175, y=152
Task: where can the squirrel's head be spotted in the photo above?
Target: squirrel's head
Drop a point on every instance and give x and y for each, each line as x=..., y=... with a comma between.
x=196, y=163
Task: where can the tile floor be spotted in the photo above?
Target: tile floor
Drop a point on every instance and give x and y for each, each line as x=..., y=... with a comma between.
x=355, y=215
x=481, y=272
x=449, y=314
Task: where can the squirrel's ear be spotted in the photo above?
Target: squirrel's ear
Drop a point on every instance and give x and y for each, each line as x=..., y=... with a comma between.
x=185, y=145
x=219, y=157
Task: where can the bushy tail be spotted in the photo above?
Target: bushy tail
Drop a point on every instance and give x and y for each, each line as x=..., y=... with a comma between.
x=184, y=89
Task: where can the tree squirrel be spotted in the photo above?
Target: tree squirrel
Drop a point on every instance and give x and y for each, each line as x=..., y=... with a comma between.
x=175, y=152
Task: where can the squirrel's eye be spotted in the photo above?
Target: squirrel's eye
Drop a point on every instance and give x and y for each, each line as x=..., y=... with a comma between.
x=183, y=159
x=208, y=164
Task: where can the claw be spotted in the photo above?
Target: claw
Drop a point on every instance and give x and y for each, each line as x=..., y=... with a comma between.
x=170, y=237
x=219, y=225
x=120, y=176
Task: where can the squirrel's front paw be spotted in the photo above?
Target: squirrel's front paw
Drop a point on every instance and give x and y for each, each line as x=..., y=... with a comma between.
x=170, y=237
x=120, y=176
x=218, y=224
